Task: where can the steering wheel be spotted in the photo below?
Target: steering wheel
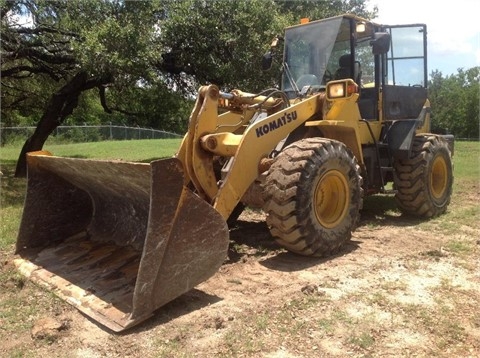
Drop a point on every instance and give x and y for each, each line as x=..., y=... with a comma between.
x=327, y=76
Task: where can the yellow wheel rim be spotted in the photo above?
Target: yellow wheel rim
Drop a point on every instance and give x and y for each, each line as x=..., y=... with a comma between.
x=332, y=196
x=438, y=177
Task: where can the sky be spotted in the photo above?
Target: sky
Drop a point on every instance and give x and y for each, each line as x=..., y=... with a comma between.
x=453, y=29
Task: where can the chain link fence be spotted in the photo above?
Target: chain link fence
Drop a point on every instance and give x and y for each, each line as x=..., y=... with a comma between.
x=86, y=133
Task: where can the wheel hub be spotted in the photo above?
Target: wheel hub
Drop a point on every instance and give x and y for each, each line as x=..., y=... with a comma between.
x=332, y=196
x=438, y=177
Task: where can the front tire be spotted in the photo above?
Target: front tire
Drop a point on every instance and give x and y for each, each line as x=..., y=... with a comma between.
x=424, y=182
x=313, y=195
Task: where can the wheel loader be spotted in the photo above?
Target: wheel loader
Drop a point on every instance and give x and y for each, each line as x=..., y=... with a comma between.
x=349, y=118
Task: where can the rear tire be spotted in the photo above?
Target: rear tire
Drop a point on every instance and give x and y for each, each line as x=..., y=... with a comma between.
x=424, y=182
x=313, y=194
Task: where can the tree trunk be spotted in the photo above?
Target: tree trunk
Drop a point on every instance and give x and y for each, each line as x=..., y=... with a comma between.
x=61, y=105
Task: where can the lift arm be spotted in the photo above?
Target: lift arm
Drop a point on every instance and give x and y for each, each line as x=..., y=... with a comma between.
x=203, y=142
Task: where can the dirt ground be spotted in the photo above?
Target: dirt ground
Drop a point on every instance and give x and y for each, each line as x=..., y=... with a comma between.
x=400, y=288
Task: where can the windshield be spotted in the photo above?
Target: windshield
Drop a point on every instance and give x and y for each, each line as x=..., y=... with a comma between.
x=308, y=51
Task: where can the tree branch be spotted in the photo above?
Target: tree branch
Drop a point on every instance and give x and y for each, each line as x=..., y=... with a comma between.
x=44, y=28
x=23, y=68
x=103, y=101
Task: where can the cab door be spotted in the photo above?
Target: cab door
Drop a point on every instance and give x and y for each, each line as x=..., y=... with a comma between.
x=405, y=77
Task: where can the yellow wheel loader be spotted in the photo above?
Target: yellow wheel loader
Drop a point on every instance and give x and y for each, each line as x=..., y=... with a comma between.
x=119, y=240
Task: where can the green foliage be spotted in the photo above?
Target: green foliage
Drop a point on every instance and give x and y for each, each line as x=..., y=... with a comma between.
x=320, y=9
x=455, y=102
x=147, y=54
x=155, y=51
x=80, y=135
x=152, y=105
x=117, y=37
x=219, y=42
x=222, y=41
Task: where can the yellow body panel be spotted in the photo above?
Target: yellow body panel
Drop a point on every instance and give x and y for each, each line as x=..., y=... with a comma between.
x=204, y=140
x=223, y=144
x=344, y=123
x=238, y=134
x=425, y=127
x=199, y=163
x=256, y=144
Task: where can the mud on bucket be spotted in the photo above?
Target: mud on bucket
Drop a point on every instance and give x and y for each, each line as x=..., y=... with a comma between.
x=116, y=239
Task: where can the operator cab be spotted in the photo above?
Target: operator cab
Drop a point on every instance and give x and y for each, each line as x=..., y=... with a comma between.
x=388, y=61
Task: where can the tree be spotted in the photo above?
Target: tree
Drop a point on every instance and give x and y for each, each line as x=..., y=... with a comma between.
x=218, y=42
x=222, y=41
x=131, y=52
x=455, y=102
x=320, y=9
x=77, y=45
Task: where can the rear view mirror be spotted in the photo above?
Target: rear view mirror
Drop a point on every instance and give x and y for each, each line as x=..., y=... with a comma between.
x=380, y=43
x=267, y=61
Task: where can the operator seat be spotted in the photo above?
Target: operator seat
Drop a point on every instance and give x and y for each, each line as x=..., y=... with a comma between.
x=344, y=71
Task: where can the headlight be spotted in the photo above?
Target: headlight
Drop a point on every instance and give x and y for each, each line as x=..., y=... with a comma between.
x=336, y=90
x=341, y=89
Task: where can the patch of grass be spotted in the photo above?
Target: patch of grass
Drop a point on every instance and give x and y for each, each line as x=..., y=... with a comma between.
x=451, y=223
x=262, y=321
x=458, y=219
x=9, y=222
x=169, y=348
x=14, y=315
x=451, y=332
x=342, y=317
x=11, y=279
x=12, y=196
x=326, y=325
x=173, y=344
x=22, y=304
x=436, y=253
x=462, y=246
x=441, y=324
x=459, y=247
x=378, y=298
x=363, y=340
x=22, y=353
x=142, y=150
x=242, y=339
x=466, y=161
x=12, y=190
x=302, y=303
x=246, y=250
x=396, y=285
x=289, y=325
x=468, y=215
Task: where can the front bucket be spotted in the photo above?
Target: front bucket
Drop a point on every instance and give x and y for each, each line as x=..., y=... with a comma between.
x=115, y=239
